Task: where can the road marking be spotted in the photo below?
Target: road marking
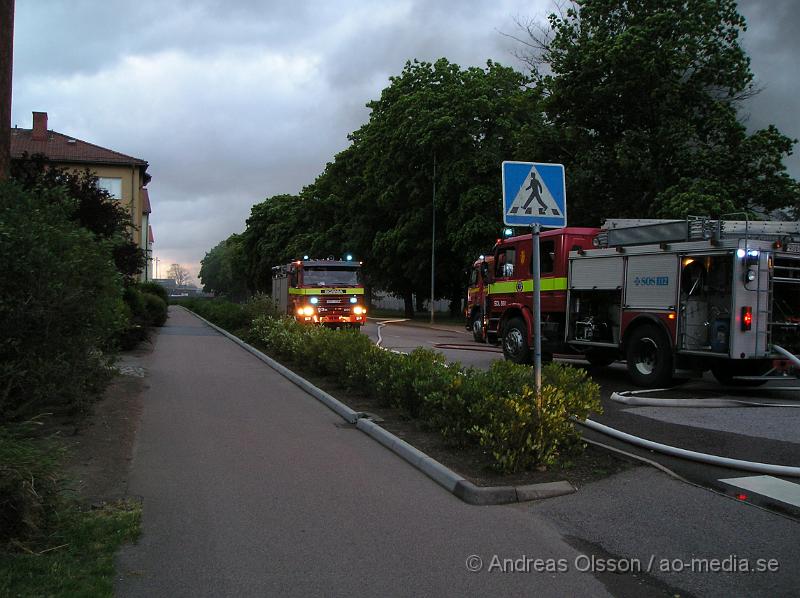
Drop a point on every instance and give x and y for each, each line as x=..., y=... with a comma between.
x=769, y=486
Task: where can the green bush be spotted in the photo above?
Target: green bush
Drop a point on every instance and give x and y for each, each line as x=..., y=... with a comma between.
x=522, y=431
x=137, y=318
x=156, y=309
x=59, y=305
x=260, y=305
x=155, y=289
x=234, y=317
x=496, y=408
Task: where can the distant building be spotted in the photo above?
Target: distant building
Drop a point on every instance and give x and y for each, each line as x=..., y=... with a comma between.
x=124, y=177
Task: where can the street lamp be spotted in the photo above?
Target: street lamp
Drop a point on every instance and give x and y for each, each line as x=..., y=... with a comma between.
x=433, y=236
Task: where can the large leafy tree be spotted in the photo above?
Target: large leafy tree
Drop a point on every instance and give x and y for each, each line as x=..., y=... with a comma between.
x=280, y=228
x=93, y=208
x=223, y=269
x=466, y=121
x=645, y=97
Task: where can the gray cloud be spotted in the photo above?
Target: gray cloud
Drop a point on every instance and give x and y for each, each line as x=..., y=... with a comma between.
x=233, y=101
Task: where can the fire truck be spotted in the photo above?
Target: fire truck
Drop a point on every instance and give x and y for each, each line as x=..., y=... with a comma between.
x=662, y=295
x=509, y=284
x=477, y=295
x=327, y=292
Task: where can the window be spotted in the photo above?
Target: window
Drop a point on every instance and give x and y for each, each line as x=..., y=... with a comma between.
x=473, y=277
x=547, y=257
x=112, y=185
x=504, y=264
x=331, y=276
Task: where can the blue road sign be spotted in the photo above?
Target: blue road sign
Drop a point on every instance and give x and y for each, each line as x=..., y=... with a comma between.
x=534, y=193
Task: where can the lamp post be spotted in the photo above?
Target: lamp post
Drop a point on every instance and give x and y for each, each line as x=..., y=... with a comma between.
x=433, y=237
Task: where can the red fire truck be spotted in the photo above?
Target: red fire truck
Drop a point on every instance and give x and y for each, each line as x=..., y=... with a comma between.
x=477, y=295
x=328, y=292
x=510, y=287
x=663, y=295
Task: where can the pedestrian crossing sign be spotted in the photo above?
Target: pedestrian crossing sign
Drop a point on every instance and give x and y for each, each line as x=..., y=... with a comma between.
x=534, y=193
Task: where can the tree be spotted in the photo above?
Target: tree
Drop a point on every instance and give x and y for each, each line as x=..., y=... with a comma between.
x=468, y=120
x=280, y=229
x=93, y=208
x=223, y=269
x=644, y=97
x=179, y=274
x=60, y=308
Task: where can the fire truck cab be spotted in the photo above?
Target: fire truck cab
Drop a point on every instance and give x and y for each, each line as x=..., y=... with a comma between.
x=691, y=294
x=327, y=292
x=509, y=314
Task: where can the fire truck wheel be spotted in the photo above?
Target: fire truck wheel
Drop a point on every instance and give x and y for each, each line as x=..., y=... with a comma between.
x=724, y=372
x=515, y=341
x=649, y=357
x=476, y=327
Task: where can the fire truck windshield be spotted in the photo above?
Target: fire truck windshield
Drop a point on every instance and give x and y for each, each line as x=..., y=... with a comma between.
x=331, y=276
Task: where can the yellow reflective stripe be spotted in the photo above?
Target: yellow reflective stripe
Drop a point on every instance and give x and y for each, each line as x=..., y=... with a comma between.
x=327, y=291
x=548, y=284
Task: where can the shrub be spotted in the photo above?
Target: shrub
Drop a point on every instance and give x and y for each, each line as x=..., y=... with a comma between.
x=496, y=408
x=522, y=430
x=137, y=318
x=227, y=315
x=156, y=309
x=155, y=289
x=59, y=305
x=260, y=305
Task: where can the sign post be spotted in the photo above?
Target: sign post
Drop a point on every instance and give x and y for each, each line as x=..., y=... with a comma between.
x=534, y=194
x=536, y=228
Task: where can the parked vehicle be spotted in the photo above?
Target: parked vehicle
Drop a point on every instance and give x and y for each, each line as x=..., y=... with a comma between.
x=327, y=292
x=477, y=295
x=660, y=294
x=509, y=294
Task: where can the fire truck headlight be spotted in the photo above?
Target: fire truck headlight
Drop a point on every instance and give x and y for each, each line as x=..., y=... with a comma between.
x=358, y=310
x=353, y=300
x=308, y=310
x=740, y=253
x=750, y=276
x=314, y=300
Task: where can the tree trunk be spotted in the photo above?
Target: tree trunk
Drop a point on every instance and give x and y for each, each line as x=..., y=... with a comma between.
x=408, y=301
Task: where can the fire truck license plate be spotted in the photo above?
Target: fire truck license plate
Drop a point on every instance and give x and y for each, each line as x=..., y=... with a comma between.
x=793, y=247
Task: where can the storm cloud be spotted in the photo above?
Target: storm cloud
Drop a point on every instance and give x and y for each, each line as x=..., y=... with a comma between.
x=231, y=102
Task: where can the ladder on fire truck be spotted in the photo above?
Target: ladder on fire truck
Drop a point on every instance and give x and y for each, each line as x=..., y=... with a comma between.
x=619, y=232
x=785, y=268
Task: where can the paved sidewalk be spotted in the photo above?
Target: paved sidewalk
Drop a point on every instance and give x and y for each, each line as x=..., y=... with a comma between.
x=253, y=488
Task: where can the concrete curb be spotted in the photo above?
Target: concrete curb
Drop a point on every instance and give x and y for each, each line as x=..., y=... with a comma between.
x=444, y=476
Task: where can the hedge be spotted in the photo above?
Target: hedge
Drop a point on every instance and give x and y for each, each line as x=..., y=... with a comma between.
x=496, y=409
x=60, y=305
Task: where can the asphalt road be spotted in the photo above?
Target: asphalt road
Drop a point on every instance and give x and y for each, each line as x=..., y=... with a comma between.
x=695, y=520
x=252, y=488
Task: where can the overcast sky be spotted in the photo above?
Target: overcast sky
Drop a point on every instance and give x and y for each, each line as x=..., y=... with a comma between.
x=234, y=101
